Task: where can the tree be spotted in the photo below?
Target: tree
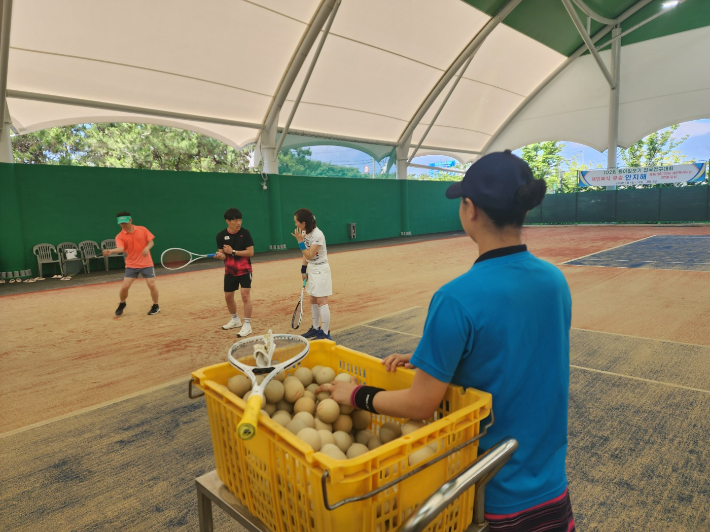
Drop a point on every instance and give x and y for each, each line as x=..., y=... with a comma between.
x=124, y=145
x=657, y=149
x=545, y=161
x=298, y=162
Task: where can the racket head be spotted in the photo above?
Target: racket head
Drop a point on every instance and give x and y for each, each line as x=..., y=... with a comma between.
x=297, y=315
x=289, y=349
x=175, y=258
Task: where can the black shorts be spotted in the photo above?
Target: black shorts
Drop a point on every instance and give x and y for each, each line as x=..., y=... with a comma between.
x=233, y=282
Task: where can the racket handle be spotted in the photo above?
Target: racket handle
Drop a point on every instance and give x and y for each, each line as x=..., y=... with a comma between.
x=247, y=426
x=211, y=255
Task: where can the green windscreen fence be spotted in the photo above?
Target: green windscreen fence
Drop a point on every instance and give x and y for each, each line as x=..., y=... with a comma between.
x=54, y=204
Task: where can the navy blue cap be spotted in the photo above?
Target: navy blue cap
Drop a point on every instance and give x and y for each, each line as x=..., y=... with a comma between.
x=493, y=180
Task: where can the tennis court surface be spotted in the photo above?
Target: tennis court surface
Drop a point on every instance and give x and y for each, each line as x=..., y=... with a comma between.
x=658, y=252
x=100, y=434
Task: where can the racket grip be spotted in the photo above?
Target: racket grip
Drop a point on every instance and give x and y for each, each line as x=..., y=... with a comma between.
x=247, y=426
x=211, y=255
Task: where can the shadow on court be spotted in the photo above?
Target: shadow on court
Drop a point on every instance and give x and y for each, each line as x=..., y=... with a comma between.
x=638, y=449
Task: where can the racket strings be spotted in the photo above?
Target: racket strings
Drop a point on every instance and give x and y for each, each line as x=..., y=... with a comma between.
x=285, y=351
x=175, y=258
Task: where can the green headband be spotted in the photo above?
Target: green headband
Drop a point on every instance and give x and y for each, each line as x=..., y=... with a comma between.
x=124, y=219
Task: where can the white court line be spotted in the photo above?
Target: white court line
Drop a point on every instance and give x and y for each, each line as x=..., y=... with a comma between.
x=641, y=379
x=609, y=249
x=390, y=330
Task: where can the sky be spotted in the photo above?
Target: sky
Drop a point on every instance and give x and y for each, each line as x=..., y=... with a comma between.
x=696, y=147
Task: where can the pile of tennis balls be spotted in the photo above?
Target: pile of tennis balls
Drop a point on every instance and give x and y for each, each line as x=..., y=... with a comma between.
x=339, y=431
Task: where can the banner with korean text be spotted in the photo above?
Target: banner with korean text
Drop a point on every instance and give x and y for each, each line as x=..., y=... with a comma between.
x=644, y=175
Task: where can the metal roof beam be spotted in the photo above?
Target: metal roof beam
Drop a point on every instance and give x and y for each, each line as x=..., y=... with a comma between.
x=463, y=57
x=326, y=31
x=596, y=16
x=588, y=41
x=601, y=33
x=77, y=102
x=5, y=26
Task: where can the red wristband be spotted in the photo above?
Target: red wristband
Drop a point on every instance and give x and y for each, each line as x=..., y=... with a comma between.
x=352, y=395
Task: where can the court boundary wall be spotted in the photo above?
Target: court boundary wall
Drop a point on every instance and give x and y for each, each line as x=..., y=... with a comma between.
x=56, y=203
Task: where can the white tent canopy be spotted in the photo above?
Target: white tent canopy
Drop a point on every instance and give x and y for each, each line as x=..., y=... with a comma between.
x=217, y=67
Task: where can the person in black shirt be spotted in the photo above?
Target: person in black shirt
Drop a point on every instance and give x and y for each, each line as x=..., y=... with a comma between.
x=234, y=247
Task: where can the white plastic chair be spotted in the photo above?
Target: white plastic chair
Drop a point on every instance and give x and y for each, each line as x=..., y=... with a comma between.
x=44, y=256
x=110, y=243
x=88, y=251
x=62, y=250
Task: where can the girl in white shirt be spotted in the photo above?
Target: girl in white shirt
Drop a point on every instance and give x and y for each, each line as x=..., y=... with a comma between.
x=316, y=269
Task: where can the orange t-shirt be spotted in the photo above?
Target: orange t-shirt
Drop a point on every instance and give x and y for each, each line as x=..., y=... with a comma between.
x=133, y=245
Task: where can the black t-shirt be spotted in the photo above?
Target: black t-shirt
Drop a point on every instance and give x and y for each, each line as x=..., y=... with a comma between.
x=239, y=241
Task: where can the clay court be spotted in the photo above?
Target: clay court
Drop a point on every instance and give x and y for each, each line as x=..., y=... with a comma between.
x=98, y=432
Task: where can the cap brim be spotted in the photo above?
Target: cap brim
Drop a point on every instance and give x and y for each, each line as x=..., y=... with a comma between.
x=454, y=191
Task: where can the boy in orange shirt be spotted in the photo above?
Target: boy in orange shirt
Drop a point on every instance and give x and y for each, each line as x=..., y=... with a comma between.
x=135, y=241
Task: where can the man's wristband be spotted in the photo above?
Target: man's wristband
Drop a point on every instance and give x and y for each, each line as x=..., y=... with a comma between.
x=303, y=268
x=302, y=245
x=234, y=253
x=364, y=397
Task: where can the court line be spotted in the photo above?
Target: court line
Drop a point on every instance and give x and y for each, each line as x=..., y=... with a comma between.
x=608, y=249
x=138, y=393
x=672, y=385
x=641, y=337
x=390, y=330
x=647, y=269
x=91, y=408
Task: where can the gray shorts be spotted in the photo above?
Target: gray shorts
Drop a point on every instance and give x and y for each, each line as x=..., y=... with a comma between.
x=147, y=273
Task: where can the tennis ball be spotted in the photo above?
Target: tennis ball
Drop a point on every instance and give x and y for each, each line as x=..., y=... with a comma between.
x=333, y=451
x=420, y=455
x=283, y=404
x=412, y=425
x=239, y=385
x=323, y=426
x=260, y=378
x=343, y=440
x=325, y=375
x=344, y=377
x=281, y=417
x=306, y=417
x=295, y=426
x=356, y=449
x=325, y=436
x=305, y=404
x=293, y=390
x=316, y=369
x=304, y=375
x=246, y=395
x=311, y=437
x=265, y=413
x=328, y=411
x=343, y=423
x=312, y=387
x=310, y=395
x=280, y=376
x=323, y=396
x=390, y=431
x=270, y=408
x=361, y=419
x=274, y=391
x=374, y=442
x=346, y=409
x=364, y=436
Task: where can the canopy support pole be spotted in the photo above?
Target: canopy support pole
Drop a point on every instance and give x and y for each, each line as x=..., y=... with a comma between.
x=588, y=41
x=5, y=121
x=614, y=102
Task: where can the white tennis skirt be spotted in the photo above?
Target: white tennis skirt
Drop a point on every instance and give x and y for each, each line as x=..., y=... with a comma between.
x=319, y=281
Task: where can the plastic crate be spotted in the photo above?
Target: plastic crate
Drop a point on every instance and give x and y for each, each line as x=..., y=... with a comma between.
x=278, y=477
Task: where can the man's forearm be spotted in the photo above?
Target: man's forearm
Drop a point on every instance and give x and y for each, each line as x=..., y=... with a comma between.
x=402, y=403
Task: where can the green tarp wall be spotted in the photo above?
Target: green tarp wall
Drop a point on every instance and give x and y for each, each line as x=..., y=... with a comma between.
x=56, y=204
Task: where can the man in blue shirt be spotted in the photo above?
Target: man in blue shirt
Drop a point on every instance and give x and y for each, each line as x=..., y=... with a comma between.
x=502, y=327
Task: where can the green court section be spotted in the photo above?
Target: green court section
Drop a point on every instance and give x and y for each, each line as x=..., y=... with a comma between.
x=55, y=204
x=648, y=205
x=638, y=456
x=548, y=22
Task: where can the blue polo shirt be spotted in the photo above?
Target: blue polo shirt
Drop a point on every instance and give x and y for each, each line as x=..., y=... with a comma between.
x=503, y=327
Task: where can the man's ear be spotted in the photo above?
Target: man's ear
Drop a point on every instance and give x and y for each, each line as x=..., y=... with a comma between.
x=470, y=209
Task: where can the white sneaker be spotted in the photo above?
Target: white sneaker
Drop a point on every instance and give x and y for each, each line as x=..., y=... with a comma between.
x=246, y=330
x=232, y=324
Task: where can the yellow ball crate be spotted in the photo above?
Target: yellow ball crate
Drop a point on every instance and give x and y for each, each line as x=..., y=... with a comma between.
x=283, y=481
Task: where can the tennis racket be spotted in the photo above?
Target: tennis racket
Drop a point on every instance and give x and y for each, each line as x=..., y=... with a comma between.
x=268, y=355
x=298, y=313
x=176, y=258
